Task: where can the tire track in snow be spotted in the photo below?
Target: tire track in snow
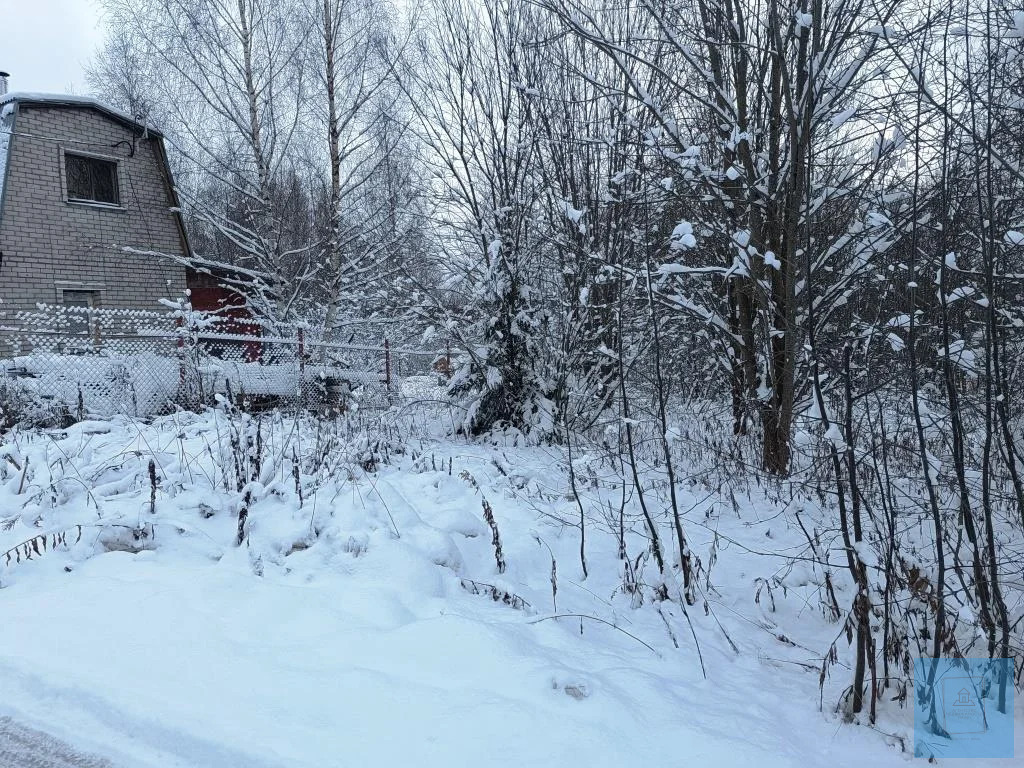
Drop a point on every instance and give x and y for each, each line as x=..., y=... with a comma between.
x=132, y=740
x=23, y=747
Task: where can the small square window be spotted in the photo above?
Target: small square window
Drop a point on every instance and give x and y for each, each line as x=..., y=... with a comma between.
x=91, y=179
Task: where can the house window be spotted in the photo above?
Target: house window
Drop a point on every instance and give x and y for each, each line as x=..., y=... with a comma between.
x=91, y=179
x=81, y=301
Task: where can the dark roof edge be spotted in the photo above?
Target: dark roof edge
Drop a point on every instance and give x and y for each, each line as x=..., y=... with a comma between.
x=78, y=102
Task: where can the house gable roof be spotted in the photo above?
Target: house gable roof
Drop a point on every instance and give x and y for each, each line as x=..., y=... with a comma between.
x=79, y=102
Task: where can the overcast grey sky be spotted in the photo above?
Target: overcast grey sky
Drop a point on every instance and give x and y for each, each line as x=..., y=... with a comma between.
x=44, y=44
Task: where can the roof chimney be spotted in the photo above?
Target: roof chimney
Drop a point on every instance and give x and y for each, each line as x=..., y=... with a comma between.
x=3, y=83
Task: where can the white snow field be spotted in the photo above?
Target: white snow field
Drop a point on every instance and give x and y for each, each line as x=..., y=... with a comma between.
x=357, y=628
x=29, y=748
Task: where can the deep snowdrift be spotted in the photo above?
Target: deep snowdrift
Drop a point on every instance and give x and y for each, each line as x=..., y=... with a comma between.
x=358, y=628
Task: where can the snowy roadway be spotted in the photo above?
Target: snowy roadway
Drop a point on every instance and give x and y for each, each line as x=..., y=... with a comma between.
x=22, y=747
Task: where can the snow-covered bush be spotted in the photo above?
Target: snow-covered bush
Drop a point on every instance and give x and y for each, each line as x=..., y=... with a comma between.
x=139, y=384
x=504, y=383
x=21, y=406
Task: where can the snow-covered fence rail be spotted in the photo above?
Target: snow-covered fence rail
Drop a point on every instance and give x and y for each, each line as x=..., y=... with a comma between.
x=107, y=361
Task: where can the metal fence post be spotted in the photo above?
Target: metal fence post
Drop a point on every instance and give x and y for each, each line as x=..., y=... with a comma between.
x=182, y=392
x=300, y=332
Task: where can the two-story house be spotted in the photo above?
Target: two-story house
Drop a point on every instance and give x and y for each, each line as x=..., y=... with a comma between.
x=80, y=183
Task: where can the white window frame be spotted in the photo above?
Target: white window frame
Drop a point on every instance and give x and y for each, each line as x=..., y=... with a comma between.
x=119, y=165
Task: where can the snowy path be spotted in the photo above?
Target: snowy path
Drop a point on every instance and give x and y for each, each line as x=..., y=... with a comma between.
x=23, y=747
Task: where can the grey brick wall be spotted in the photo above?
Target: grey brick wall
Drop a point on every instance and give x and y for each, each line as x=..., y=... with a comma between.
x=49, y=244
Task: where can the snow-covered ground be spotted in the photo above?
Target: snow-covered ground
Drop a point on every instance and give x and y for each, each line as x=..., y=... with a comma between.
x=28, y=748
x=357, y=627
